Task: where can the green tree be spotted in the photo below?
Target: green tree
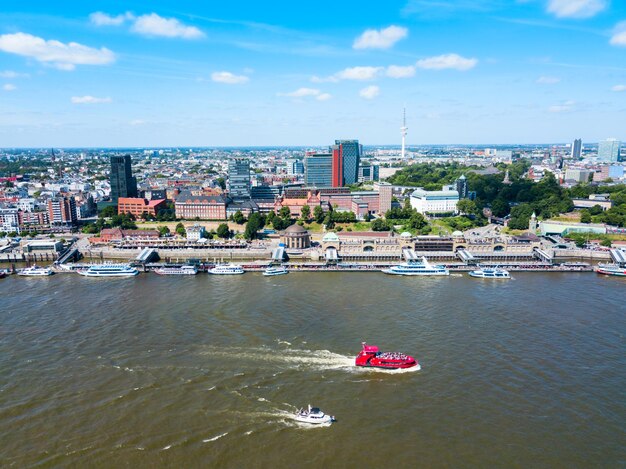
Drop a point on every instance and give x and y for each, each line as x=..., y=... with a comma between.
x=285, y=212
x=253, y=226
x=163, y=230
x=108, y=211
x=466, y=207
x=180, y=230
x=305, y=213
x=380, y=225
x=221, y=182
x=585, y=216
x=318, y=214
x=239, y=218
x=417, y=221
x=223, y=231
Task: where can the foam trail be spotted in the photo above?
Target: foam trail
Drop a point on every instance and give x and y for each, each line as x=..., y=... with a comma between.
x=214, y=438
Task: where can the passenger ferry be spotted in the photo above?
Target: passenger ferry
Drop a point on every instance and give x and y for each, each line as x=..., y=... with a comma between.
x=35, y=271
x=109, y=270
x=371, y=356
x=422, y=267
x=174, y=270
x=226, y=269
x=272, y=271
x=487, y=272
x=611, y=269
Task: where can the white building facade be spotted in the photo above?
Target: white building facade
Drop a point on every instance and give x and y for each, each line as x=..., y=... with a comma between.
x=443, y=201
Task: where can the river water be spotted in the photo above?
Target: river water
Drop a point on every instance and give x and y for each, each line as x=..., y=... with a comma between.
x=205, y=371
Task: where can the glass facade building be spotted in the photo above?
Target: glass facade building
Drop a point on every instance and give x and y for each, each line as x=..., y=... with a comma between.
x=608, y=150
x=350, y=151
x=239, y=178
x=318, y=170
x=123, y=184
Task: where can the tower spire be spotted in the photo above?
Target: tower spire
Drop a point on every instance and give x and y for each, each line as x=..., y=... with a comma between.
x=403, y=131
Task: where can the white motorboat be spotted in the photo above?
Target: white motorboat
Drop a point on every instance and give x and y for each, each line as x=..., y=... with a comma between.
x=226, y=269
x=415, y=267
x=171, y=270
x=272, y=271
x=490, y=272
x=611, y=269
x=35, y=271
x=314, y=416
x=109, y=270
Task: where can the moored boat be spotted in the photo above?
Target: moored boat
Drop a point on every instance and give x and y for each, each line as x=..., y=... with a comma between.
x=422, y=267
x=272, y=271
x=490, y=272
x=176, y=270
x=35, y=271
x=226, y=269
x=371, y=356
x=611, y=269
x=109, y=270
x=314, y=416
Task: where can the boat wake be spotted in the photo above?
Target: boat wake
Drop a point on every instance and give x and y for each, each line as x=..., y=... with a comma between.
x=208, y=440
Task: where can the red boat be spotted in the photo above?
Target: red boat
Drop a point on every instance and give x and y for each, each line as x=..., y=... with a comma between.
x=372, y=357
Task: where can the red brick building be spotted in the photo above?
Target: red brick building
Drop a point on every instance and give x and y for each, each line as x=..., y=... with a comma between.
x=204, y=207
x=137, y=206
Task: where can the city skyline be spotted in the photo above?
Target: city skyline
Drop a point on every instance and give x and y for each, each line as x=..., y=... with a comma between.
x=180, y=74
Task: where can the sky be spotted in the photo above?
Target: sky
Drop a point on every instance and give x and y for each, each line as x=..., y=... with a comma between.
x=250, y=73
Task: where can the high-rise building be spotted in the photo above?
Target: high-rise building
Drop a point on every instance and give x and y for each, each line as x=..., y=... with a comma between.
x=123, y=184
x=62, y=211
x=608, y=150
x=369, y=172
x=385, y=196
x=461, y=187
x=350, y=154
x=239, y=178
x=318, y=169
x=337, y=167
x=9, y=220
x=577, y=148
x=295, y=167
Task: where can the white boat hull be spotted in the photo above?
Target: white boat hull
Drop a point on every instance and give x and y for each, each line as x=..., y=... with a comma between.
x=415, y=274
x=113, y=274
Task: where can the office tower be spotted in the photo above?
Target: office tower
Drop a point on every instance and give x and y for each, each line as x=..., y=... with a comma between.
x=295, y=167
x=318, y=169
x=62, y=211
x=337, y=167
x=350, y=155
x=123, y=184
x=608, y=150
x=461, y=187
x=577, y=148
x=239, y=178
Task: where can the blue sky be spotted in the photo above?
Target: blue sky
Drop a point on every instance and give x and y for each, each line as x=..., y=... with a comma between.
x=188, y=73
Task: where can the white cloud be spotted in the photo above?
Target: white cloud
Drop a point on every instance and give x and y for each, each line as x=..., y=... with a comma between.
x=58, y=54
x=351, y=73
x=137, y=122
x=12, y=74
x=302, y=92
x=380, y=39
x=155, y=25
x=323, y=97
x=619, y=35
x=89, y=100
x=229, y=78
x=369, y=92
x=618, y=88
x=102, y=19
x=447, y=61
x=566, y=106
x=576, y=8
x=9, y=87
x=399, y=71
x=546, y=80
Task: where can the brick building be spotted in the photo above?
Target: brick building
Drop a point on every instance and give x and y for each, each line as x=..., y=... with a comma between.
x=137, y=206
x=205, y=207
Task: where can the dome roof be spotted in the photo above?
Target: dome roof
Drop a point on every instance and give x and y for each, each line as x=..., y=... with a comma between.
x=295, y=229
x=457, y=234
x=330, y=236
x=405, y=234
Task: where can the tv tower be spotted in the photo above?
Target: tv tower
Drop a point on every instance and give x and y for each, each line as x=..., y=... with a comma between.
x=403, y=130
